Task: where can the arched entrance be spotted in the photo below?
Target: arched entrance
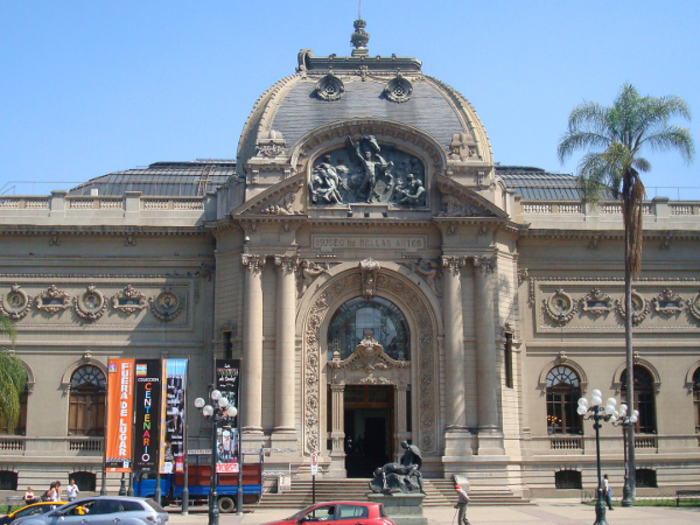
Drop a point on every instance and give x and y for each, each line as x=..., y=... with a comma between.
x=401, y=389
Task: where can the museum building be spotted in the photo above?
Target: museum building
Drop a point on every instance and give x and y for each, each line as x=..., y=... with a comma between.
x=382, y=279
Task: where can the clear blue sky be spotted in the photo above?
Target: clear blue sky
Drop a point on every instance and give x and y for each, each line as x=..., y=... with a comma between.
x=91, y=87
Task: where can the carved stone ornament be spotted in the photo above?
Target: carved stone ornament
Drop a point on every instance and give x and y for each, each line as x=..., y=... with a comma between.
x=271, y=145
x=596, y=303
x=52, y=300
x=560, y=307
x=167, y=305
x=463, y=147
x=694, y=306
x=369, y=269
x=129, y=300
x=330, y=88
x=430, y=271
x=369, y=356
x=91, y=305
x=15, y=304
x=282, y=206
x=452, y=206
x=398, y=90
x=668, y=303
x=640, y=308
x=307, y=272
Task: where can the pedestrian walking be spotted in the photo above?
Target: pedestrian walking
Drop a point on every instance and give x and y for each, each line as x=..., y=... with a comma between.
x=608, y=492
x=72, y=490
x=462, y=505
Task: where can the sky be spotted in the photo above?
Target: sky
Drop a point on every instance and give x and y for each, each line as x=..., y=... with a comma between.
x=95, y=86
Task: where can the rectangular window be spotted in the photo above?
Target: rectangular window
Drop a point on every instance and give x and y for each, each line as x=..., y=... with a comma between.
x=508, y=359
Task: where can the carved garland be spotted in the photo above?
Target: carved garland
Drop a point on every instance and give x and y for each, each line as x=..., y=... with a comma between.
x=560, y=307
x=16, y=304
x=129, y=300
x=596, y=303
x=694, y=306
x=167, y=305
x=312, y=366
x=668, y=303
x=53, y=300
x=91, y=305
x=639, y=306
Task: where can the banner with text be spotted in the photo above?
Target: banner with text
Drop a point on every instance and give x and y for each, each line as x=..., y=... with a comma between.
x=147, y=407
x=228, y=383
x=120, y=414
x=172, y=420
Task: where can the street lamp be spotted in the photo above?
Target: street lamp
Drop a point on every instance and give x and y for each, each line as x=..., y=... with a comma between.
x=219, y=411
x=625, y=421
x=598, y=413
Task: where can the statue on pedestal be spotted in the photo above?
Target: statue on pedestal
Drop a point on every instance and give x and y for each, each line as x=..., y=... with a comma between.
x=404, y=477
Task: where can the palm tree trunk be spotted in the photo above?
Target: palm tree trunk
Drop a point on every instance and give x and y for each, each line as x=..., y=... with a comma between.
x=629, y=352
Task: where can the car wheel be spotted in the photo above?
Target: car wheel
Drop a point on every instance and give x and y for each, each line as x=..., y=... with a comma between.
x=226, y=505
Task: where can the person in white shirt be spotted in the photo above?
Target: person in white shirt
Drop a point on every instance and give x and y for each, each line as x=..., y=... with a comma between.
x=72, y=491
x=608, y=492
x=462, y=505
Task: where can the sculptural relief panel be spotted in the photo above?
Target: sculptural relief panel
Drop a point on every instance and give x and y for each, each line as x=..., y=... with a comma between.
x=367, y=171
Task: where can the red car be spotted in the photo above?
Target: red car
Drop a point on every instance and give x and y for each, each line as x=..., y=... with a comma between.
x=340, y=513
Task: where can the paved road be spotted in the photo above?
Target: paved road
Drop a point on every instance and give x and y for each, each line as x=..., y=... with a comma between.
x=544, y=512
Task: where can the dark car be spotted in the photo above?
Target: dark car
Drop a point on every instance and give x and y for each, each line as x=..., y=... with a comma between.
x=34, y=509
x=340, y=513
x=102, y=510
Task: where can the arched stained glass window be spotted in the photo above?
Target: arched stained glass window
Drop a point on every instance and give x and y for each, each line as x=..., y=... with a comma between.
x=387, y=322
x=644, y=399
x=563, y=392
x=87, y=402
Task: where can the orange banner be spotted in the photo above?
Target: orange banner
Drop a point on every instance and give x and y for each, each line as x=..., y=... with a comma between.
x=120, y=415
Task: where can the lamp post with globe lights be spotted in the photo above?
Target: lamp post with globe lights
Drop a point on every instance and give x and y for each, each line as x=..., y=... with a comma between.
x=626, y=420
x=595, y=411
x=219, y=411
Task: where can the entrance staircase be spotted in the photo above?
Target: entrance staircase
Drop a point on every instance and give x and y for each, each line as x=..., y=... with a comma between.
x=439, y=493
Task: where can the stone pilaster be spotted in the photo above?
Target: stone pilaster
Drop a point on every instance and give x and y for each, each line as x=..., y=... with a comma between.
x=337, y=465
x=487, y=378
x=284, y=355
x=252, y=343
x=454, y=347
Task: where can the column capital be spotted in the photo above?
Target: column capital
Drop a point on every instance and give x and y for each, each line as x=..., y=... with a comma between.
x=338, y=388
x=452, y=263
x=287, y=263
x=485, y=262
x=253, y=263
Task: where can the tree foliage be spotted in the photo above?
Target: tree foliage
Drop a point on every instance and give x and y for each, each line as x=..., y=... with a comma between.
x=613, y=138
x=13, y=378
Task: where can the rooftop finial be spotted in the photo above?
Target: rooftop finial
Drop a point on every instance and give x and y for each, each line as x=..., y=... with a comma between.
x=360, y=37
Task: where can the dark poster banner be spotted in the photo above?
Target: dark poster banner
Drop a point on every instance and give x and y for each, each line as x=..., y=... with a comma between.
x=228, y=383
x=172, y=430
x=147, y=408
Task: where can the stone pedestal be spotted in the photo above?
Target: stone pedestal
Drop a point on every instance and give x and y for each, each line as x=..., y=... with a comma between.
x=403, y=509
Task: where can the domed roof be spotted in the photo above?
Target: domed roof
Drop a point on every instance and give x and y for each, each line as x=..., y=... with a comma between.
x=327, y=90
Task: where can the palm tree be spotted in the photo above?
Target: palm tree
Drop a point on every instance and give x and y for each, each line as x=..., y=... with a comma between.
x=613, y=138
x=13, y=378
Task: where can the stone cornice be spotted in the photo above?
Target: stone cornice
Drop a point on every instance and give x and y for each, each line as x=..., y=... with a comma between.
x=101, y=230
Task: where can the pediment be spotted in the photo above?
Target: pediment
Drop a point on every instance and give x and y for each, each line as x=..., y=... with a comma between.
x=284, y=198
x=458, y=201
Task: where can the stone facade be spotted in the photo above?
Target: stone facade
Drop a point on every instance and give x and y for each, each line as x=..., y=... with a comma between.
x=376, y=200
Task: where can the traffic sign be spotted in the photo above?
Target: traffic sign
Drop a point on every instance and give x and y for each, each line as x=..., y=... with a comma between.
x=314, y=464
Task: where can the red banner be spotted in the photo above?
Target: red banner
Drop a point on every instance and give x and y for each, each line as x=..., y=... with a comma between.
x=120, y=415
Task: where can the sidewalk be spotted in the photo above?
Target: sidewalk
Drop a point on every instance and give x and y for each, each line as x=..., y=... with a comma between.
x=544, y=512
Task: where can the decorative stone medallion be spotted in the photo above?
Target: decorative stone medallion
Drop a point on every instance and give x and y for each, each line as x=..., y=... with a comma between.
x=91, y=305
x=560, y=307
x=668, y=303
x=52, y=300
x=640, y=308
x=694, y=306
x=330, y=87
x=129, y=300
x=596, y=303
x=15, y=304
x=167, y=305
x=398, y=90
